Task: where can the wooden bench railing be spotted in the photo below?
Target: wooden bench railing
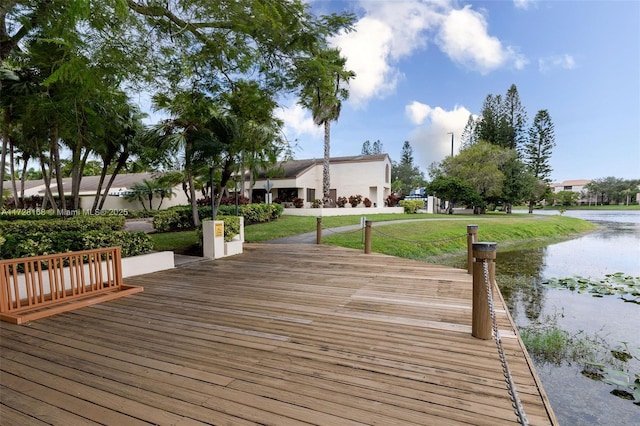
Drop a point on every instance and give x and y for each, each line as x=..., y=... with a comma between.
x=36, y=287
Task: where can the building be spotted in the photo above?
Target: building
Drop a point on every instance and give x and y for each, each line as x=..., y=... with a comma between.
x=576, y=185
x=365, y=175
x=115, y=201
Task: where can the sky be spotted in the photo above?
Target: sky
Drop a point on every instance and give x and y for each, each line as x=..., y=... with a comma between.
x=422, y=67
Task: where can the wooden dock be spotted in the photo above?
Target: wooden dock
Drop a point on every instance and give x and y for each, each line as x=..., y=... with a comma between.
x=280, y=335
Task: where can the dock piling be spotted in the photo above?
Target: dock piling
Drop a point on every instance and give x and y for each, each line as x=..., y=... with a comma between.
x=481, y=316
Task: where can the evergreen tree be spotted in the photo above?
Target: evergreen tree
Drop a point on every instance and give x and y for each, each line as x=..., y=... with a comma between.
x=537, y=149
x=366, y=148
x=405, y=176
x=377, y=148
x=515, y=119
x=469, y=134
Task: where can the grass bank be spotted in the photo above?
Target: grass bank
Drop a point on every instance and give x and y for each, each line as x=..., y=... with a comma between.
x=422, y=237
x=430, y=240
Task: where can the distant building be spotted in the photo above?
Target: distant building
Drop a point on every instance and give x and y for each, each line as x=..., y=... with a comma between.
x=365, y=175
x=576, y=185
x=117, y=192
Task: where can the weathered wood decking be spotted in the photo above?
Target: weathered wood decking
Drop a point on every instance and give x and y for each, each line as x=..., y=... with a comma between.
x=281, y=335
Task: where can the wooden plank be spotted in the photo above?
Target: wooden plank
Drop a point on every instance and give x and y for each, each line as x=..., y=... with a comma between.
x=345, y=338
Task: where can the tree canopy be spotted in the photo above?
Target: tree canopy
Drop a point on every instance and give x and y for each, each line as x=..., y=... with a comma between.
x=69, y=68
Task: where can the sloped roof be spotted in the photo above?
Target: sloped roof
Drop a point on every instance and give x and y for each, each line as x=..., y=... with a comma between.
x=575, y=182
x=294, y=168
x=89, y=184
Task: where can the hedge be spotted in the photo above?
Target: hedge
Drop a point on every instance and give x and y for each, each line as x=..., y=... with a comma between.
x=411, y=206
x=43, y=243
x=179, y=218
x=73, y=224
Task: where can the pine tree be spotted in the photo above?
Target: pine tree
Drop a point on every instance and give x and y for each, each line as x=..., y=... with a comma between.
x=537, y=149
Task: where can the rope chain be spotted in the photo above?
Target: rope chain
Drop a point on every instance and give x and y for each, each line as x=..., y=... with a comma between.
x=511, y=386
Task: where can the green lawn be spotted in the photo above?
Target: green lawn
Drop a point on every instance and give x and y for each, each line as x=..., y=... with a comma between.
x=419, y=239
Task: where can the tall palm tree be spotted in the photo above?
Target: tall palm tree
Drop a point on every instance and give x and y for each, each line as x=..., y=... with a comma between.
x=323, y=79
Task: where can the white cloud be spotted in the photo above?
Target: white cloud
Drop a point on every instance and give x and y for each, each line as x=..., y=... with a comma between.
x=550, y=63
x=417, y=112
x=388, y=32
x=523, y=4
x=297, y=122
x=432, y=141
x=465, y=39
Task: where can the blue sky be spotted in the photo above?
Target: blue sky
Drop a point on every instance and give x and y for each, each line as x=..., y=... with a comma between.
x=423, y=66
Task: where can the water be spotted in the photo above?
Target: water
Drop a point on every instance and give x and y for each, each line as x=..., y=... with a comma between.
x=615, y=247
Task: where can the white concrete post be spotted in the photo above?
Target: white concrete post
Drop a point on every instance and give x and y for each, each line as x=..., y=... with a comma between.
x=213, y=239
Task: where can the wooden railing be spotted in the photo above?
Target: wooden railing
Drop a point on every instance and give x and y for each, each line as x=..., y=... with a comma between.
x=36, y=287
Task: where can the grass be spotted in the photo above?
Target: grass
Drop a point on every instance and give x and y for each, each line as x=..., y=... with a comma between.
x=183, y=242
x=425, y=238
x=607, y=207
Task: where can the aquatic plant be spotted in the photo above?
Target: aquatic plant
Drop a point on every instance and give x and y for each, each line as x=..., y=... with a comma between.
x=619, y=283
x=627, y=384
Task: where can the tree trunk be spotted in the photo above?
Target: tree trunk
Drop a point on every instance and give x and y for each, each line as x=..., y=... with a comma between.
x=5, y=141
x=55, y=158
x=531, y=204
x=16, y=199
x=326, y=178
x=122, y=160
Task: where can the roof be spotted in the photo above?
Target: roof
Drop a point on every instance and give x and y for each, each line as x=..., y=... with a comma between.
x=89, y=184
x=294, y=168
x=575, y=182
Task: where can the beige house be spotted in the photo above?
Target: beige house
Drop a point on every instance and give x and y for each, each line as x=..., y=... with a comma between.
x=365, y=175
x=115, y=200
x=576, y=185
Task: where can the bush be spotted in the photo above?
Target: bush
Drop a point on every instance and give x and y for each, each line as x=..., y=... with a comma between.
x=316, y=204
x=354, y=200
x=411, y=206
x=231, y=228
x=75, y=224
x=392, y=200
x=367, y=202
x=179, y=218
x=298, y=202
x=41, y=243
x=341, y=201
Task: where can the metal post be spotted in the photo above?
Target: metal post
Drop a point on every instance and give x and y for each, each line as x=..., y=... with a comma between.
x=367, y=236
x=472, y=237
x=318, y=230
x=481, y=315
x=213, y=202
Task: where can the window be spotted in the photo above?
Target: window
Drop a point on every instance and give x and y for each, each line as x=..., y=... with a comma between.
x=311, y=194
x=568, y=188
x=386, y=174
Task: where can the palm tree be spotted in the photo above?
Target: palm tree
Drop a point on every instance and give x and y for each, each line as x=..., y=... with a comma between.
x=322, y=79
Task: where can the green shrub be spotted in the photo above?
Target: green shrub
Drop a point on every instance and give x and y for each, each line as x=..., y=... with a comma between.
x=75, y=224
x=411, y=206
x=131, y=243
x=179, y=218
x=231, y=227
x=41, y=243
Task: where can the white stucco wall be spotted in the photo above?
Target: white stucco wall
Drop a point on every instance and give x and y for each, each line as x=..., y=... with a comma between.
x=366, y=178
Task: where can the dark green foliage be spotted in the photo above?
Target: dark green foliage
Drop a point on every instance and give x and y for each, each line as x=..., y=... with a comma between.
x=73, y=224
x=42, y=243
x=406, y=176
x=455, y=190
x=179, y=218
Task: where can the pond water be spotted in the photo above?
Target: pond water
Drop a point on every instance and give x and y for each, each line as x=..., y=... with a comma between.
x=615, y=247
